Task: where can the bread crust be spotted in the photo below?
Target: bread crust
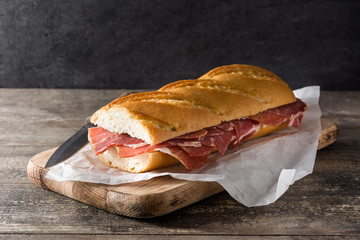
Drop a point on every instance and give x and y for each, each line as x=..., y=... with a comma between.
x=223, y=94
x=141, y=163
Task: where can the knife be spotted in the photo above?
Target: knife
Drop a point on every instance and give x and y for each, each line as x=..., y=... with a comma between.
x=74, y=143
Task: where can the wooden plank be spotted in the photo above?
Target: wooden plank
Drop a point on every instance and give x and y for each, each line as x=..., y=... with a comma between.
x=160, y=237
x=151, y=198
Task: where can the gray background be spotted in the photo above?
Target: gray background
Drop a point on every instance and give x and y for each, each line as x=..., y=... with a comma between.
x=146, y=44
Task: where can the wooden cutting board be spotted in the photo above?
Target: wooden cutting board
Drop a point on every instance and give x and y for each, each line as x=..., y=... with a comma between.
x=145, y=199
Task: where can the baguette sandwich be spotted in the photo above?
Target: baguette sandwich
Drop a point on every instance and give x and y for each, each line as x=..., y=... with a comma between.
x=185, y=121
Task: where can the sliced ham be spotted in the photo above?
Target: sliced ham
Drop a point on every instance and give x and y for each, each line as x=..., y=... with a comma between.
x=188, y=161
x=244, y=129
x=296, y=119
x=222, y=142
x=182, y=143
x=276, y=116
x=125, y=151
x=202, y=151
x=193, y=149
x=102, y=139
x=193, y=135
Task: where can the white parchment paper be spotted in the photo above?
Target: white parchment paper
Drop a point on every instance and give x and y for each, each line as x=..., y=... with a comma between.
x=256, y=173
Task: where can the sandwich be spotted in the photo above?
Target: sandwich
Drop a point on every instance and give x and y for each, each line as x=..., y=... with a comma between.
x=186, y=121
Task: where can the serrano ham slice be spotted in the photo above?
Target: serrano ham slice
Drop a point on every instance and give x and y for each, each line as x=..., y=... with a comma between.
x=202, y=151
x=188, y=161
x=276, y=116
x=244, y=129
x=126, y=151
x=102, y=139
x=193, y=149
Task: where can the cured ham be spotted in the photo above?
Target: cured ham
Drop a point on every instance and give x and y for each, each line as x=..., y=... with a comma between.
x=244, y=130
x=276, y=116
x=193, y=149
x=126, y=151
x=188, y=161
x=101, y=139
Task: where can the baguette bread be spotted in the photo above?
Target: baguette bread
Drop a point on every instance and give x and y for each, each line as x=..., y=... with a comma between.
x=223, y=94
x=141, y=163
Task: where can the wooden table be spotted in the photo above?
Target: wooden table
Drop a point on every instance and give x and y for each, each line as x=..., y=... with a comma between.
x=325, y=203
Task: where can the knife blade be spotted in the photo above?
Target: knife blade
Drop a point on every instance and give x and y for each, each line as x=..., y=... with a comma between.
x=74, y=143
x=69, y=147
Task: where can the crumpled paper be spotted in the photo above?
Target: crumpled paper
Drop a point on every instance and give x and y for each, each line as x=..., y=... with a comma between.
x=256, y=173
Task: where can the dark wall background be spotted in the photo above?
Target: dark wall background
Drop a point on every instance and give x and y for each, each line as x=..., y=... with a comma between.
x=145, y=44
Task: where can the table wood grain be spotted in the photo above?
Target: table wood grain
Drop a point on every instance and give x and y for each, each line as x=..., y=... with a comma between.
x=325, y=204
